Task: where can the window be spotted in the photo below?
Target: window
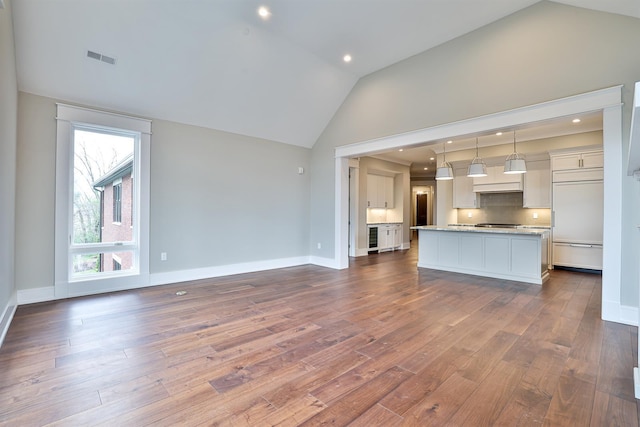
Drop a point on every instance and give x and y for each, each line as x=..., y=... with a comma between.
x=100, y=156
x=117, y=203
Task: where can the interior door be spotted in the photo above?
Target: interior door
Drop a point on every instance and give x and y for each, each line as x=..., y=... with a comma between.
x=422, y=207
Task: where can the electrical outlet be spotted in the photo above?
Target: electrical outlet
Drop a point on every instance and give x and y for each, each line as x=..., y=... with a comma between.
x=535, y=215
x=163, y=256
x=319, y=245
x=469, y=215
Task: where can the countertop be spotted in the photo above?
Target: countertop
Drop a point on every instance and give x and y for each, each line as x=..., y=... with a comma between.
x=384, y=223
x=472, y=229
x=542, y=227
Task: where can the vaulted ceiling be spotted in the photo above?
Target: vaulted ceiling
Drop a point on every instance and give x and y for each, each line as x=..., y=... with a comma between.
x=218, y=64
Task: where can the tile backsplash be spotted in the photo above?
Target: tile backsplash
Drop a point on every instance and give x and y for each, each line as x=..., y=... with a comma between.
x=376, y=216
x=504, y=208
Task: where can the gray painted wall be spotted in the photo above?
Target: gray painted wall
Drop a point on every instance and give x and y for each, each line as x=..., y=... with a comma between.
x=545, y=52
x=8, y=141
x=35, y=198
x=216, y=198
x=219, y=198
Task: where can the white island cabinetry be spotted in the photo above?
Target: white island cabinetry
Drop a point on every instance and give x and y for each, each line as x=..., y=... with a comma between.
x=512, y=254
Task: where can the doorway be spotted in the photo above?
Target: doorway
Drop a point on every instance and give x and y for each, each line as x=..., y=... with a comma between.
x=422, y=208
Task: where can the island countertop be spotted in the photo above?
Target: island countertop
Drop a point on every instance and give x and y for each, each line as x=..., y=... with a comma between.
x=473, y=229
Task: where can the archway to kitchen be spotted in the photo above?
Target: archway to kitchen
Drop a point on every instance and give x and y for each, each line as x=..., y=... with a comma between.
x=608, y=101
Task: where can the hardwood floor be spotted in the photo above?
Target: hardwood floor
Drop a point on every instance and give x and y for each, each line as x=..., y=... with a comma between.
x=379, y=344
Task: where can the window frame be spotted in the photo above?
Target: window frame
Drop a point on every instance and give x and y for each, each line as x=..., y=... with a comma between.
x=69, y=118
x=117, y=202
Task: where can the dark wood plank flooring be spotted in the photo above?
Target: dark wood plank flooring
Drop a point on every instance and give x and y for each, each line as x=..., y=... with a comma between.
x=379, y=344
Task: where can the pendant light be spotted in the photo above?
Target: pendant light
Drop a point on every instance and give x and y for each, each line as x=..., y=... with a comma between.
x=477, y=168
x=444, y=171
x=515, y=162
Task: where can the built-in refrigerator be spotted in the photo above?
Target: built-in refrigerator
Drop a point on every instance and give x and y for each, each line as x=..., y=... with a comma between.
x=577, y=220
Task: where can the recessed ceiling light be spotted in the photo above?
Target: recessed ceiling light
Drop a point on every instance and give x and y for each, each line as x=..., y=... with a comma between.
x=576, y=120
x=346, y=58
x=264, y=12
x=449, y=142
x=432, y=158
x=402, y=149
x=426, y=169
x=498, y=133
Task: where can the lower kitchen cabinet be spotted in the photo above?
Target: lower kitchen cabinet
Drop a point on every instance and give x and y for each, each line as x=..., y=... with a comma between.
x=577, y=255
x=389, y=237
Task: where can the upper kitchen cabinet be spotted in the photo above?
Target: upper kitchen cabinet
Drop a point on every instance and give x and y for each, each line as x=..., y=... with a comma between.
x=584, y=165
x=497, y=181
x=463, y=195
x=582, y=160
x=379, y=191
x=537, y=185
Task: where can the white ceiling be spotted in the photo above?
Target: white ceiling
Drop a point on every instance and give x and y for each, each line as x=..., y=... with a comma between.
x=217, y=64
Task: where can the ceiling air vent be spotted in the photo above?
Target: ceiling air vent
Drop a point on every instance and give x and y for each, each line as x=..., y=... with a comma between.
x=100, y=57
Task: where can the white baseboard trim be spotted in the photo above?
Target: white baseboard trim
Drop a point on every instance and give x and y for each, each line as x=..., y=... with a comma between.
x=636, y=382
x=324, y=262
x=224, y=270
x=629, y=315
x=7, y=316
x=30, y=296
x=613, y=311
x=610, y=311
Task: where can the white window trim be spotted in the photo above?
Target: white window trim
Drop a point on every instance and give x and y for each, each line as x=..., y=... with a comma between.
x=69, y=116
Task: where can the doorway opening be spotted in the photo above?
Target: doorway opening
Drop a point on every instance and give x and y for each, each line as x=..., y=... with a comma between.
x=608, y=101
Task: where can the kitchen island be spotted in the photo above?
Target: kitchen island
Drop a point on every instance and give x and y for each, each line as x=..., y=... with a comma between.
x=503, y=253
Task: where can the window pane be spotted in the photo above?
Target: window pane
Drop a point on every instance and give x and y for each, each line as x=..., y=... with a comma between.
x=85, y=265
x=102, y=187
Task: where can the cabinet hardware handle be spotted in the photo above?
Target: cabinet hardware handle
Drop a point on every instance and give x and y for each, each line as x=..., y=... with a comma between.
x=577, y=245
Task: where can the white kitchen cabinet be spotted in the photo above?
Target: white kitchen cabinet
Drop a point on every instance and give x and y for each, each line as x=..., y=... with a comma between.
x=497, y=181
x=463, y=195
x=397, y=236
x=577, y=255
x=389, y=236
x=537, y=185
x=578, y=160
x=380, y=192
